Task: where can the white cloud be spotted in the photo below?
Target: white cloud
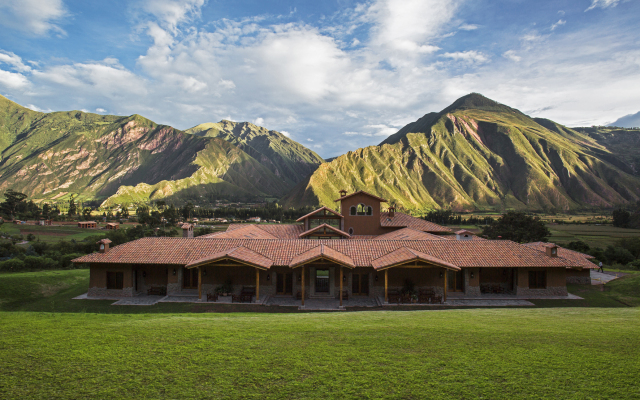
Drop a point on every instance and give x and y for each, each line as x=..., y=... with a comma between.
x=351, y=133
x=259, y=121
x=511, y=55
x=33, y=17
x=13, y=80
x=170, y=13
x=13, y=60
x=557, y=24
x=309, y=140
x=468, y=27
x=285, y=133
x=36, y=108
x=380, y=130
x=467, y=56
x=101, y=110
x=602, y=4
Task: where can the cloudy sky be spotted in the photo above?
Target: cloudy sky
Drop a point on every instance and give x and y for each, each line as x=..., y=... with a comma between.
x=334, y=75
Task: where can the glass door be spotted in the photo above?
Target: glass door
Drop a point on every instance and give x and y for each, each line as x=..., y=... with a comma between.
x=284, y=283
x=360, y=284
x=190, y=278
x=322, y=281
x=455, y=281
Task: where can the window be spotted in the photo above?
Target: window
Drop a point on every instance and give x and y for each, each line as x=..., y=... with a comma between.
x=352, y=210
x=114, y=280
x=361, y=209
x=350, y=231
x=537, y=279
x=369, y=210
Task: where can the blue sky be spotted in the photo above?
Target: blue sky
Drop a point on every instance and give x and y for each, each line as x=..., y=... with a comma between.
x=333, y=75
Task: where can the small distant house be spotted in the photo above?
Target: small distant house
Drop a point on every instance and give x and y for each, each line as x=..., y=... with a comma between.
x=253, y=219
x=113, y=226
x=87, y=224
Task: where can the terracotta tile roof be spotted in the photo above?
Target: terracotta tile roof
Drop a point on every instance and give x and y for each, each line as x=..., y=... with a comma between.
x=408, y=234
x=362, y=237
x=248, y=231
x=324, y=228
x=362, y=192
x=469, y=253
x=453, y=237
x=240, y=254
x=186, y=226
x=401, y=220
x=463, y=231
x=317, y=211
x=573, y=256
x=105, y=241
x=322, y=251
x=404, y=255
x=285, y=231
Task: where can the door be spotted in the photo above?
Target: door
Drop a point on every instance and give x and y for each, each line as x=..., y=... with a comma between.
x=360, y=284
x=455, y=281
x=322, y=281
x=189, y=278
x=284, y=283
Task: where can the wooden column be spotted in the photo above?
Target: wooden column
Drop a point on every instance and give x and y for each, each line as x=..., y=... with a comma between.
x=303, y=285
x=340, y=286
x=257, y=285
x=445, y=284
x=386, y=285
x=199, y=283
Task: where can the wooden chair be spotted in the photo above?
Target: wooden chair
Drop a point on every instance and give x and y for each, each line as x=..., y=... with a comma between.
x=436, y=299
x=394, y=296
x=424, y=296
x=246, y=294
x=157, y=291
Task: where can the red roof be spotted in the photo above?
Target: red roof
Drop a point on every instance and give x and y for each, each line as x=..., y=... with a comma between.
x=573, y=256
x=400, y=220
x=462, y=253
x=324, y=228
x=240, y=254
x=404, y=255
x=362, y=192
x=317, y=211
x=322, y=252
x=408, y=234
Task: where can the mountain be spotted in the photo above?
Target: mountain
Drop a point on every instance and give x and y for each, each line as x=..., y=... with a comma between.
x=628, y=121
x=287, y=159
x=478, y=154
x=624, y=143
x=50, y=155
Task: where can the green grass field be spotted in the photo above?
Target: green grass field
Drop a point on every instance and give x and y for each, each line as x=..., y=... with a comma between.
x=50, y=234
x=593, y=235
x=55, y=347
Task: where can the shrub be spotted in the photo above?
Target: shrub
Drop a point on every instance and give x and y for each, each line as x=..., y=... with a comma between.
x=12, y=265
x=33, y=263
x=634, y=264
x=31, y=237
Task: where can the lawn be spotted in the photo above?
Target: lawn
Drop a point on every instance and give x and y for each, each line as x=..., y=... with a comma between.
x=50, y=234
x=584, y=349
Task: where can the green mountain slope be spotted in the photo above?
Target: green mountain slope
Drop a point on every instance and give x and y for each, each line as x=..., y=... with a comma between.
x=96, y=156
x=287, y=159
x=478, y=154
x=623, y=142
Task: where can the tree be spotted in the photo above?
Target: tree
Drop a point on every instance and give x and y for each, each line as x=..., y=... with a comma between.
x=86, y=213
x=46, y=210
x=186, y=210
x=12, y=202
x=518, y=227
x=621, y=218
x=72, y=207
x=142, y=212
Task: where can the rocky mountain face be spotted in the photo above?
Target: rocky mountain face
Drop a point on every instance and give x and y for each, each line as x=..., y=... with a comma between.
x=287, y=159
x=624, y=143
x=123, y=159
x=478, y=154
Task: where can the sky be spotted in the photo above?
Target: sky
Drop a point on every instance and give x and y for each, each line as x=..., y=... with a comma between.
x=334, y=75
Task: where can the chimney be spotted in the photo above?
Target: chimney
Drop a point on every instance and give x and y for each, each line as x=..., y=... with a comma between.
x=392, y=211
x=104, y=245
x=551, y=250
x=343, y=193
x=187, y=231
x=464, y=235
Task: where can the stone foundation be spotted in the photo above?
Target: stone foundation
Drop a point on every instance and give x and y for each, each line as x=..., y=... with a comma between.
x=580, y=280
x=104, y=292
x=549, y=291
x=174, y=288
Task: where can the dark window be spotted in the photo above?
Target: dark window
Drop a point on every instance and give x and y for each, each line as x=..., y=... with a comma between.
x=350, y=231
x=114, y=280
x=362, y=209
x=352, y=210
x=369, y=211
x=537, y=279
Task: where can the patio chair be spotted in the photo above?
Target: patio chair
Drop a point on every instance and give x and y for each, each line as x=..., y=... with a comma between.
x=212, y=296
x=394, y=296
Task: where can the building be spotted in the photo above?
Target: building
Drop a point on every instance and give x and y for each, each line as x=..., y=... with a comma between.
x=113, y=226
x=359, y=250
x=87, y=224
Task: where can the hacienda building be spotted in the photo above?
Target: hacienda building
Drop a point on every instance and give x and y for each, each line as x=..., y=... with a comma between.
x=356, y=251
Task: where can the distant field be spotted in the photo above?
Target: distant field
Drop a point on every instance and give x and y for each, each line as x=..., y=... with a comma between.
x=50, y=234
x=594, y=235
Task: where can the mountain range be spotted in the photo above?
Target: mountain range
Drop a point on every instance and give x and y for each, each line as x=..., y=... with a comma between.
x=474, y=154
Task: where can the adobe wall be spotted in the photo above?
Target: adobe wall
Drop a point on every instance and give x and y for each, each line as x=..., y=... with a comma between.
x=580, y=277
x=472, y=285
x=556, y=282
x=362, y=224
x=98, y=280
x=174, y=282
x=241, y=276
